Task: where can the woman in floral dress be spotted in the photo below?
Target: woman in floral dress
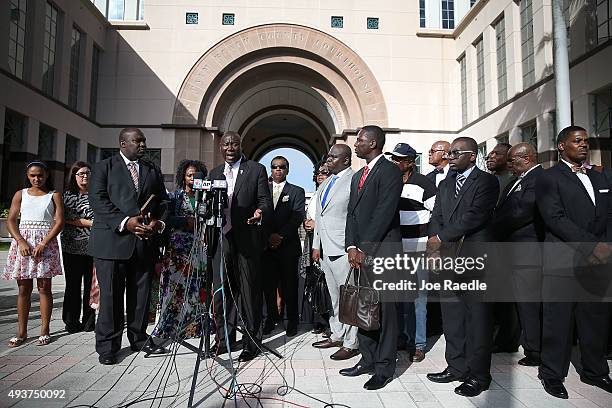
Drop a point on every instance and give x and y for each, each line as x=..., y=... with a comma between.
x=34, y=251
x=180, y=297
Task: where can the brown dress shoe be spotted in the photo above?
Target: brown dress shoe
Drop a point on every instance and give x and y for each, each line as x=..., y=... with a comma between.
x=418, y=356
x=344, y=354
x=327, y=343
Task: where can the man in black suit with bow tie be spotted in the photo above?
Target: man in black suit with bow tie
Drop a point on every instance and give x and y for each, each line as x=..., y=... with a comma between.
x=573, y=201
x=437, y=158
x=373, y=229
x=249, y=204
x=283, y=249
x=463, y=210
x=122, y=243
x=517, y=219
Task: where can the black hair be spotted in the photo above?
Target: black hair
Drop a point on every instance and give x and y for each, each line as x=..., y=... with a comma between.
x=471, y=143
x=564, y=134
x=71, y=184
x=376, y=133
x=182, y=169
x=280, y=158
x=125, y=132
x=42, y=165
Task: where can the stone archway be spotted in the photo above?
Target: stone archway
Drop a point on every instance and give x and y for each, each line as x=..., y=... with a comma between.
x=294, y=67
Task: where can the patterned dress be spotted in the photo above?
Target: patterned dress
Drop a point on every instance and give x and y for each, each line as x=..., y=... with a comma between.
x=37, y=216
x=75, y=239
x=180, y=292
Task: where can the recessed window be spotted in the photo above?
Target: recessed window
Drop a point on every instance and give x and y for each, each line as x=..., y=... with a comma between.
x=373, y=23
x=17, y=34
x=228, y=19
x=337, y=22
x=48, y=79
x=191, y=18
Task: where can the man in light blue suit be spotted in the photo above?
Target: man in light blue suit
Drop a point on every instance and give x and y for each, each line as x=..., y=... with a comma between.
x=329, y=246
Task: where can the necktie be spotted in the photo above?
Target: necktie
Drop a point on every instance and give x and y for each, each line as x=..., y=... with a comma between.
x=328, y=189
x=276, y=194
x=229, y=177
x=134, y=174
x=579, y=169
x=438, y=171
x=459, y=184
x=366, y=170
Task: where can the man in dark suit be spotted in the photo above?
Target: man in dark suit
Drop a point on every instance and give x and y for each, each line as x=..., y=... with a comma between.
x=574, y=203
x=284, y=249
x=517, y=219
x=249, y=203
x=463, y=209
x=373, y=229
x=122, y=243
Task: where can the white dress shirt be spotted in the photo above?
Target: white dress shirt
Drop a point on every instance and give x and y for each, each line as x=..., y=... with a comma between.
x=442, y=176
x=585, y=180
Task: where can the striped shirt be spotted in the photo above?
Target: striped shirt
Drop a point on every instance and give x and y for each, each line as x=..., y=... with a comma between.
x=416, y=204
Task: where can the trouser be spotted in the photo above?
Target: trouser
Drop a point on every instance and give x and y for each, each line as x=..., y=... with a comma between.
x=118, y=279
x=281, y=272
x=78, y=272
x=336, y=270
x=413, y=317
x=379, y=347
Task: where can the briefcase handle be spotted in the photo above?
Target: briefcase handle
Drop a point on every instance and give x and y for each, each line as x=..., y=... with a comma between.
x=358, y=275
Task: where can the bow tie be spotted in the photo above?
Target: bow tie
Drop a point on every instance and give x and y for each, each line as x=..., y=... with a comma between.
x=438, y=171
x=579, y=169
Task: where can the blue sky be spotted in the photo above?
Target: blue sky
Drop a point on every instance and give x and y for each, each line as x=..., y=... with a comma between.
x=300, y=167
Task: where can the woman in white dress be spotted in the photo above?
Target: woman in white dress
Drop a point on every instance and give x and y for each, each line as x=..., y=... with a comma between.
x=34, y=251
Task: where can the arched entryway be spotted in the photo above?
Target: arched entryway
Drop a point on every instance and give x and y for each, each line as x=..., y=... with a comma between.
x=277, y=85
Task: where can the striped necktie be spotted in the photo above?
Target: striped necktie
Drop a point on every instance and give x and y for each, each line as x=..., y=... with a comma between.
x=366, y=170
x=459, y=184
x=327, y=190
x=134, y=174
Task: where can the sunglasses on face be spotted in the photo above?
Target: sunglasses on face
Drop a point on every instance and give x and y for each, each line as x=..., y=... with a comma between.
x=456, y=153
x=276, y=166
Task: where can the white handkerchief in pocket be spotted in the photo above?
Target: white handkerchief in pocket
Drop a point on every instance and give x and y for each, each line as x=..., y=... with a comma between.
x=604, y=190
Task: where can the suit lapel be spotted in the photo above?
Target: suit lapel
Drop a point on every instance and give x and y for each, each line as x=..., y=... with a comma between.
x=143, y=174
x=466, y=186
x=569, y=174
x=369, y=177
x=127, y=176
x=331, y=192
x=506, y=192
x=242, y=170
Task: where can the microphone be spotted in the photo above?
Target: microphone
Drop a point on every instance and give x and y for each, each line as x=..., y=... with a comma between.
x=199, y=185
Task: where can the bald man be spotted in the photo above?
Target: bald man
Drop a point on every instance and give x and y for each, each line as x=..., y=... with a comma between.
x=438, y=159
x=517, y=219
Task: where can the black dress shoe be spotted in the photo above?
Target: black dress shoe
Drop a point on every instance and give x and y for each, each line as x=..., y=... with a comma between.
x=377, y=382
x=605, y=383
x=445, y=377
x=529, y=362
x=73, y=327
x=355, y=371
x=150, y=348
x=471, y=388
x=554, y=387
x=248, y=355
x=109, y=359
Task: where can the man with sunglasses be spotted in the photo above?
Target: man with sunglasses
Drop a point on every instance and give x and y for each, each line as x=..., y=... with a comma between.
x=463, y=210
x=283, y=251
x=438, y=159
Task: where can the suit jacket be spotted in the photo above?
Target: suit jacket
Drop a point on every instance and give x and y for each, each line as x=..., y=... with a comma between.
x=432, y=175
x=517, y=218
x=287, y=218
x=373, y=212
x=251, y=191
x=468, y=216
x=112, y=197
x=330, y=222
x=567, y=210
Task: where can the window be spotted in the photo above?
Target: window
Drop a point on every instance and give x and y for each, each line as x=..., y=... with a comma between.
x=418, y=161
x=337, y=22
x=14, y=131
x=17, y=32
x=191, y=18
x=72, y=150
x=48, y=78
x=46, y=142
x=154, y=155
x=529, y=134
x=481, y=158
x=116, y=9
x=121, y=9
x=448, y=13
x=604, y=20
x=75, y=62
x=92, y=154
x=504, y=138
x=105, y=153
x=228, y=19
x=480, y=76
x=527, y=44
x=95, y=67
x=372, y=23
x=464, y=106
x=602, y=102
x=500, y=41
x=422, y=13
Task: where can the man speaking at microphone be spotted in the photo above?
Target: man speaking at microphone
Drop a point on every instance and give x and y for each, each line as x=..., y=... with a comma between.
x=249, y=203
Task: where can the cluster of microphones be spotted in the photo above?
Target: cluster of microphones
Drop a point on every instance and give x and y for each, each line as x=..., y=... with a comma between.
x=210, y=198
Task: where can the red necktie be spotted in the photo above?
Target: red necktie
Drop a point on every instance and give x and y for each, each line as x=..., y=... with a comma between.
x=366, y=170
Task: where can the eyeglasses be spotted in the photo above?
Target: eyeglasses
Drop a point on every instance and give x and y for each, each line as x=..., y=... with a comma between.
x=432, y=151
x=397, y=159
x=456, y=153
x=83, y=174
x=282, y=167
x=324, y=173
